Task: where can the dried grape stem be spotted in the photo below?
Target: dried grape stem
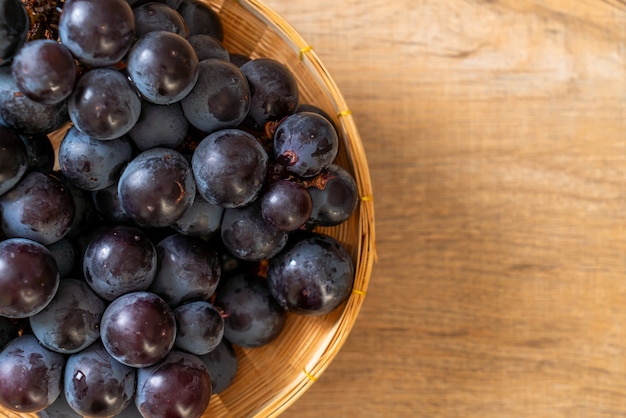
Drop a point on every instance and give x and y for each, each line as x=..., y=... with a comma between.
x=44, y=18
x=320, y=181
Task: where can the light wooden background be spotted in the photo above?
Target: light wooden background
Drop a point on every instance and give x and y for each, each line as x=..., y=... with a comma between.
x=496, y=137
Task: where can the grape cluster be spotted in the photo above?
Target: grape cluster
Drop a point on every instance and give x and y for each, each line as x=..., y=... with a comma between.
x=180, y=222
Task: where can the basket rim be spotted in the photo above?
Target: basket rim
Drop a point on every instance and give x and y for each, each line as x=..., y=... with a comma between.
x=366, y=251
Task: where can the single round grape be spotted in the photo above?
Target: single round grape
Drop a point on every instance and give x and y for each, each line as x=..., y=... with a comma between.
x=163, y=67
x=201, y=18
x=14, y=25
x=208, y=47
x=203, y=219
x=312, y=277
x=222, y=364
x=179, y=386
x=199, y=327
x=38, y=207
x=159, y=126
x=220, y=99
x=154, y=16
x=44, y=70
x=274, y=92
x=189, y=269
x=248, y=236
x=25, y=115
x=308, y=107
x=286, y=205
x=90, y=163
x=30, y=376
x=98, y=33
x=97, y=385
x=229, y=167
x=252, y=317
x=157, y=187
x=119, y=260
x=71, y=321
x=305, y=143
x=103, y=104
x=13, y=159
x=138, y=329
x=337, y=200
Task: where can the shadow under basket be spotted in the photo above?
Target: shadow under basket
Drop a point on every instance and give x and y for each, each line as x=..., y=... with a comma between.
x=272, y=377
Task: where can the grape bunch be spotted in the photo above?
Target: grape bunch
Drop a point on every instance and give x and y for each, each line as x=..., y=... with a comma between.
x=176, y=223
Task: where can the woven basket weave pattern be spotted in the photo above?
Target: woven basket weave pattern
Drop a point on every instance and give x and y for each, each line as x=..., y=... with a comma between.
x=271, y=378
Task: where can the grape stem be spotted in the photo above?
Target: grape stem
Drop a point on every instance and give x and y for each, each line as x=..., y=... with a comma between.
x=320, y=181
x=44, y=18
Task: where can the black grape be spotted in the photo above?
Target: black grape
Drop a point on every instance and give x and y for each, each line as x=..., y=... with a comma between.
x=159, y=126
x=154, y=16
x=13, y=159
x=207, y=47
x=220, y=98
x=14, y=25
x=305, y=143
x=25, y=115
x=71, y=321
x=248, y=236
x=274, y=92
x=312, y=277
x=229, y=167
x=30, y=376
x=103, y=105
x=157, y=187
x=138, y=329
x=203, y=219
x=38, y=207
x=199, y=327
x=189, y=269
x=90, y=163
x=98, y=33
x=163, y=66
x=252, y=318
x=119, y=260
x=44, y=70
x=222, y=364
x=201, y=18
x=179, y=386
x=286, y=205
x=97, y=385
x=308, y=107
x=335, y=202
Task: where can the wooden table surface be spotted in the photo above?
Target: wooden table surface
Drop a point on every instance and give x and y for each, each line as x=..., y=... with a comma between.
x=496, y=137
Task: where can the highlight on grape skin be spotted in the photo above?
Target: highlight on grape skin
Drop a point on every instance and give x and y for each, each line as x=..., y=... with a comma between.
x=190, y=183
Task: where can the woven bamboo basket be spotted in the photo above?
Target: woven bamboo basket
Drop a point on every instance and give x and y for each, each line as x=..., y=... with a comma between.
x=272, y=377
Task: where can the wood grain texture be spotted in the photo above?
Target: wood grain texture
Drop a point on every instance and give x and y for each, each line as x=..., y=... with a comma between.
x=496, y=137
